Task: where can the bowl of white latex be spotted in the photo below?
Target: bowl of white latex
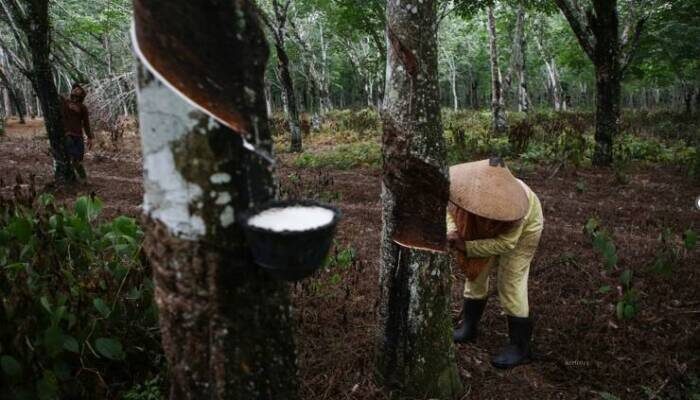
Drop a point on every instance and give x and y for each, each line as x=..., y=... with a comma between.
x=290, y=239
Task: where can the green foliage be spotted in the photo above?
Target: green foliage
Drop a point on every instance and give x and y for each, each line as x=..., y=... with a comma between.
x=602, y=242
x=149, y=390
x=78, y=318
x=671, y=251
x=336, y=265
x=344, y=156
x=627, y=306
x=364, y=121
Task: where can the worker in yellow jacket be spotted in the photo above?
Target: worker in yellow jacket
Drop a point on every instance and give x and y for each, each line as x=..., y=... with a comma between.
x=494, y=219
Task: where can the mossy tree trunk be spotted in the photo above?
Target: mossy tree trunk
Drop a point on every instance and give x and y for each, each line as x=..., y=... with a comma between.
x=415, y=354
x=226, y=325
x=597, y=29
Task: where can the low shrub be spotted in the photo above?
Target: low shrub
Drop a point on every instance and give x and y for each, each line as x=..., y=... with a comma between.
x=344, y=156
x=77, y=318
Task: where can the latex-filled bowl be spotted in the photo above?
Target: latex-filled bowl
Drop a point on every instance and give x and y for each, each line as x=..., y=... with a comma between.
x=290, y=239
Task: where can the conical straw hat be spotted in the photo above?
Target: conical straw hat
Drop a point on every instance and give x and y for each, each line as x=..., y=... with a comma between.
x=488, y=189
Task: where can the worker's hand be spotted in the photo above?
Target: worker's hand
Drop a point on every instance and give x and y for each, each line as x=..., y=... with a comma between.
x=454, y=242
x=89, y=143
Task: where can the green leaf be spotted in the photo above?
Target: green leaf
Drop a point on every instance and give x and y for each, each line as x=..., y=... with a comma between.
x=10, y=366
x=45, y=199
x=102, y=307
x=620, y=310
x=591, y=226
x=630, y=311
x=626, y=277
x=53, y=340
x=71, y=344
x=110, y=348
x=20, y=228
x=46, y=304
x=604, y=289
x=81, y=208
x=16, y=266
x=88, y=209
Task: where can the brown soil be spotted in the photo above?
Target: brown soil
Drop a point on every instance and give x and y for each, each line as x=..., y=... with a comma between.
x=581, y=346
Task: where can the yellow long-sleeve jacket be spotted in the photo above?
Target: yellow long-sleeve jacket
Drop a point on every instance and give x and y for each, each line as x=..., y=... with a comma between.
x=532, y=223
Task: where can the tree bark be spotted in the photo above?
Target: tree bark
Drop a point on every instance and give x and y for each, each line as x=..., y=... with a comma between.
x=608, y=72
x=415, y=354
x=519, y=51
x=226, y=325
x=598, y=33
x=35, y=24
x=12, y=96
x=289, y=98
x=500, y=123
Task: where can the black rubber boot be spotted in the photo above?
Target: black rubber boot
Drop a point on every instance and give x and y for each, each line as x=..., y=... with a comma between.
x=517, y=352
x=472, y=311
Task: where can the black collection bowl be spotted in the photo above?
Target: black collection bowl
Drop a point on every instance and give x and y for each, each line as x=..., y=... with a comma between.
x=289, y=255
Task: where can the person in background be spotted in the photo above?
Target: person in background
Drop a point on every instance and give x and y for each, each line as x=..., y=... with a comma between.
x=494, y=219
x=76, y=121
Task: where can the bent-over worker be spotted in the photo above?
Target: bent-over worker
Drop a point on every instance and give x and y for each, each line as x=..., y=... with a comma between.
x=494, y=219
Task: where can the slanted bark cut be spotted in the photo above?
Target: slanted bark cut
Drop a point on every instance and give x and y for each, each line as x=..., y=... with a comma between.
x=415, y=351
x=226, y=325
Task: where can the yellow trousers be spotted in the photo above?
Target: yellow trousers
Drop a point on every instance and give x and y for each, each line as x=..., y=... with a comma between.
x=513, y=272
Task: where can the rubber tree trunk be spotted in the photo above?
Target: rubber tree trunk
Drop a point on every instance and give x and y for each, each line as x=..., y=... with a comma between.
x=33, y=20
x=607, y=115
x=415, y=351
x=289, y=98
x=608, y=76
x=519, y=51
x=226, y=325
x=12, y=96
x=500, y=124
x=37, y=28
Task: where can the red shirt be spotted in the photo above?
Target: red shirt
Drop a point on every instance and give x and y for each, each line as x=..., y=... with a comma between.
x=75, y=118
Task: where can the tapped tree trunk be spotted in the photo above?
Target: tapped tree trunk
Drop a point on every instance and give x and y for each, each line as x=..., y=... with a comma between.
x=288, y=98
x=226, y=325
x=500, y=123
x=415, y=354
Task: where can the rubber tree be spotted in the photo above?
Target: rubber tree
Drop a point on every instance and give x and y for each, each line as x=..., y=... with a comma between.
x=415, y=353
x=597, y=29
x=278, y=29
x=30, y=24
x=498, y=107
x=12, y=95
x=518, y=61
x=226, y=325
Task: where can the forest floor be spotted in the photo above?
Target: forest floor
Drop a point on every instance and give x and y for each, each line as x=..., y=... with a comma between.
x=582, y=350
